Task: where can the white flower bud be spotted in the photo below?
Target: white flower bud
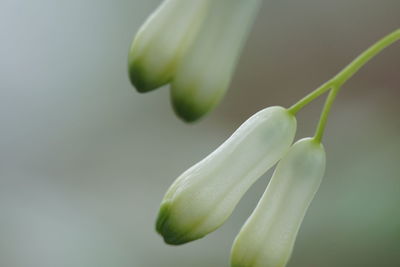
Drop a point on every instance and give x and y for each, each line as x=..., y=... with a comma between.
x=194, y=45
x=204, y=196
x=162, y=40
x=268, y=236
x=205, y=72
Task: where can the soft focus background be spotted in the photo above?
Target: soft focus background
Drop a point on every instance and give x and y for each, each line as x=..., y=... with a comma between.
x=85, y=160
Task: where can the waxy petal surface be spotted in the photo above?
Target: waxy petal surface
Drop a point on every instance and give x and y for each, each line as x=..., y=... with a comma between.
x=204, y=196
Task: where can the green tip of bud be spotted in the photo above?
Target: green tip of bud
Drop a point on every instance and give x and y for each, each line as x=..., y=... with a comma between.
x=141, y=80
x=166, y=229
x=187, y=111
x=191, y=106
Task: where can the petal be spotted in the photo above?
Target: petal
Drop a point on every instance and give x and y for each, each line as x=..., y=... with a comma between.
x=205, y=72
x=161, y=41
x=268, y=236
x=204, y=196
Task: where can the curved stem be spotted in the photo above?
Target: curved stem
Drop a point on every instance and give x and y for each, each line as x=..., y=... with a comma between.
x=348, y=71
x=325, y=113
x=362, y=59
x=310, y=97
x=337, y=81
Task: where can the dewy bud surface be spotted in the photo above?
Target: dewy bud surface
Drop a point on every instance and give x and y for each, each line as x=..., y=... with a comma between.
x=268, y=236
x=204, y=196
x=162, y=41
x=205, y=72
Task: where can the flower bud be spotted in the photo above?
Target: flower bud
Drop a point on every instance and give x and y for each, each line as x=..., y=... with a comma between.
x=205, y=72
x=268, y=236
x=194, y=45
x=162, y=40
x=204, y=196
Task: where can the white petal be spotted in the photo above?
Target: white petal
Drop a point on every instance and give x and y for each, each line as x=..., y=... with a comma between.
x=267, y=238
x=204, y=196
x=205, y=72
x=162, y=40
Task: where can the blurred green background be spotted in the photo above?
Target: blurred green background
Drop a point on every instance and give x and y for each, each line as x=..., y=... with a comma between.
x=85, y=160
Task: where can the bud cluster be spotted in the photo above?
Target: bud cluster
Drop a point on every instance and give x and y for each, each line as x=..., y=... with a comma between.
x=193, y=45
x=204, y=196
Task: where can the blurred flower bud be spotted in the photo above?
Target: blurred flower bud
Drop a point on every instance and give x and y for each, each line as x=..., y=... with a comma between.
x=194, y=45
x=162, y=40
x=268, y=236
x=204, y=196
x=205, y=72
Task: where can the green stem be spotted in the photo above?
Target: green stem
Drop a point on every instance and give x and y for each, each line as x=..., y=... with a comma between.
x=325, y=113
x=362, y=59
x=336, y=82
x=310, y=97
